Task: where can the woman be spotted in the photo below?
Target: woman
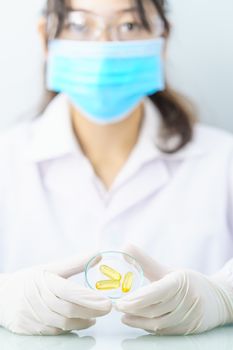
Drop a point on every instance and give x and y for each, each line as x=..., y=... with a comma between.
x=115, y=158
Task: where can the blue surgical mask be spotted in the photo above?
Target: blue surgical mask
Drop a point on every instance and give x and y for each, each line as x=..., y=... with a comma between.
x=106, y=80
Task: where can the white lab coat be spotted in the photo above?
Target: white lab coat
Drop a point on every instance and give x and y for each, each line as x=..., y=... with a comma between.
x=177, y=207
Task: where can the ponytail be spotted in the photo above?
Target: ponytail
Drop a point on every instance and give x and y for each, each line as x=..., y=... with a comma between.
x=177, y=118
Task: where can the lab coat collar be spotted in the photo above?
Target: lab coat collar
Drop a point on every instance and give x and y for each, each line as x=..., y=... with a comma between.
x=53, y=136
x=52, y=132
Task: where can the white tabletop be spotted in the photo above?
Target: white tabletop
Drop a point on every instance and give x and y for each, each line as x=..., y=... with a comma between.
x=109, y=333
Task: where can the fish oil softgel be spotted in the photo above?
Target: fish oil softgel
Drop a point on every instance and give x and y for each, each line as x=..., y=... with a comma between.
x=113, y=274
x=114, y=281
x=127, y=282
x=107, y=284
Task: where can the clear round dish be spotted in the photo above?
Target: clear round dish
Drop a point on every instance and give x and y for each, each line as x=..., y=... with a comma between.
x=120, y=262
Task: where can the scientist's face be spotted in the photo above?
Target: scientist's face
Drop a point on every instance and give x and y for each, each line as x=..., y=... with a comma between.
x=93, y=20
x=107, y=20
x=122, y=22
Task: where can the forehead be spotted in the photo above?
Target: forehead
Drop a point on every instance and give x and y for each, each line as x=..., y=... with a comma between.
x=106, y=6
x=101, y=5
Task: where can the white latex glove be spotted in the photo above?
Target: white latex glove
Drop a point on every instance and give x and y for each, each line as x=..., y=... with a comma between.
x=177, y=301
x=41, y=300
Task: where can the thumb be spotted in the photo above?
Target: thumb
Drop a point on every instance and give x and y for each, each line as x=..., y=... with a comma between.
x=71, y=266
x=152, y=269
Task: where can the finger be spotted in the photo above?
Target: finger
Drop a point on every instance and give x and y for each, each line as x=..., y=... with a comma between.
x=152, y=269
x=182, y=328
x=185, y=314
x=46, y=330
x=71, y=292
x=46, y=316
x=26, y=324
x=77, y=324
x=173, y=323
x=164, y=314
x=146, y=296
x=159, y=309
x=36, y=329
x=139, y=322
x=171, y=331
x=65, y=308
x=71, y=266
x=152, y=311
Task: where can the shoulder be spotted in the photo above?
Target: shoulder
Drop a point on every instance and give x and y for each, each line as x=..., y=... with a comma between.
x=213, y=132
x=212, y=140
x=14, y=141
x=208, y=146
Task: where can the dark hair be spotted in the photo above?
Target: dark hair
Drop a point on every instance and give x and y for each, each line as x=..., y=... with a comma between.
x=176, y=114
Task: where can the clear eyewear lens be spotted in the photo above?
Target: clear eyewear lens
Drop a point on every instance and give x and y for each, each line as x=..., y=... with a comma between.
x=83, y=26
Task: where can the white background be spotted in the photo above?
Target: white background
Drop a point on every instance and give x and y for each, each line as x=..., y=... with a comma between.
x=200, y=58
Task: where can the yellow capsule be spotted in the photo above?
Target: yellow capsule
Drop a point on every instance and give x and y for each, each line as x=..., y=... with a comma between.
x=127, y=282
x=107, y=284
x=111, y=273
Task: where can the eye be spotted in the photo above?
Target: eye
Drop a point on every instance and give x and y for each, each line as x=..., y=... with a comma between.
x=76, y=22
x=77, y=27
x=130, y=26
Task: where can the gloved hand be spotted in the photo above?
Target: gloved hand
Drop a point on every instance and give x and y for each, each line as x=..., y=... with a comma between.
x=41, y=300
x=177, y=301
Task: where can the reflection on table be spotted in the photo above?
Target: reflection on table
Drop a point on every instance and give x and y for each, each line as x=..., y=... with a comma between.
x=110, y=333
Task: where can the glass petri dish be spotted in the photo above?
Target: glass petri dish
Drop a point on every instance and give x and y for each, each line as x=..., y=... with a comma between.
x=120, y=262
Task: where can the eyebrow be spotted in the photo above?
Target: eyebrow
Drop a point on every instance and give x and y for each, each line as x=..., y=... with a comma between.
x=130, y=9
